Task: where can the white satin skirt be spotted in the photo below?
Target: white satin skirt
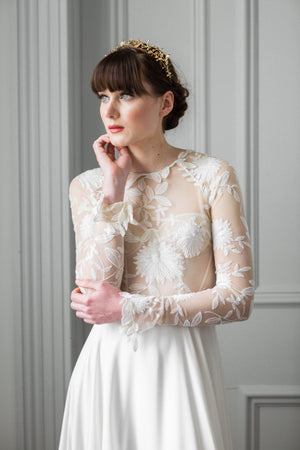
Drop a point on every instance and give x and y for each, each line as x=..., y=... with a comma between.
x=168, y=395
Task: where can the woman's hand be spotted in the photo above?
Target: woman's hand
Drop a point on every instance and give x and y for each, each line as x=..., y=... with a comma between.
x=115, y=171
x=101, y=306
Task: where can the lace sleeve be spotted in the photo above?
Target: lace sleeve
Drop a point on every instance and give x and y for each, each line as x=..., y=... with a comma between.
x=231, y=298
x=99, y=231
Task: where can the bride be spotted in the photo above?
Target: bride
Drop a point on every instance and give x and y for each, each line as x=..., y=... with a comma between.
x=163, y=255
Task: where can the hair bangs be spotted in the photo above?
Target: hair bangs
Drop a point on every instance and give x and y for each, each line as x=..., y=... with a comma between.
x=119, y=71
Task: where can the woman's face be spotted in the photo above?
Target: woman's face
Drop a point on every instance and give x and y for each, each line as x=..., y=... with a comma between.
x=130, y=119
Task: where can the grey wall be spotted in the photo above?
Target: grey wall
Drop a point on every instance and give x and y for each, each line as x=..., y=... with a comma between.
x=10, y=275
x=95, y=41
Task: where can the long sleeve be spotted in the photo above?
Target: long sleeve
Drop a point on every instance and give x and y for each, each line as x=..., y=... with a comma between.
x=230, y=299
x=99, y=230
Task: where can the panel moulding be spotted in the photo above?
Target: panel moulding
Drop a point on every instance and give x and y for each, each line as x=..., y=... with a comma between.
x=118, y=22
x=264, y=295
x=253, y=398
x=251, y=160
x=44, y=85
x=201, y=86
x=277, y=296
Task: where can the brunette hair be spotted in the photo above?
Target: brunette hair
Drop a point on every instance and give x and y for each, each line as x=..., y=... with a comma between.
x=126, y=68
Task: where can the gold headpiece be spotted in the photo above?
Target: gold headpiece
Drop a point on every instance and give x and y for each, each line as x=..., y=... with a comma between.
x=153, y=51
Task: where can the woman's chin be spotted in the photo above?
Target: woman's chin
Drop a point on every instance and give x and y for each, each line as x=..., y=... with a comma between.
x=117, y=141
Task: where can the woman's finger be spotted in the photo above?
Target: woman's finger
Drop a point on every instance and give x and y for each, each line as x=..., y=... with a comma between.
x=82, y=315
x=103, y=156
x=101, y=142
x=93, y=284
x=78, y=297
x=110, y=151
x=124, y=160
x=92, y=322
x=78, y=307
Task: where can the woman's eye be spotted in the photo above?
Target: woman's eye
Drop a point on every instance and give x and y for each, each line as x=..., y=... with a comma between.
x=102, y=97
x=126, y=96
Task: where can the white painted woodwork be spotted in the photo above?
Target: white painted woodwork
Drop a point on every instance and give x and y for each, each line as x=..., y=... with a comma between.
x=39, y=140
x=44, y=170
x=10, y=353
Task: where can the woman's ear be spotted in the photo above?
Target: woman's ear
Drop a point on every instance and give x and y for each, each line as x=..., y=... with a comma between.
x=167, y=103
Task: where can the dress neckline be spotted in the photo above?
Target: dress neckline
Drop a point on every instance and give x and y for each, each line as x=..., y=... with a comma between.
x=169, y=166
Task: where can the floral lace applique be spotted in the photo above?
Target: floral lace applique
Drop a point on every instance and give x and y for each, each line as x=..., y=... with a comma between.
x=191, y=237
x=158, y=261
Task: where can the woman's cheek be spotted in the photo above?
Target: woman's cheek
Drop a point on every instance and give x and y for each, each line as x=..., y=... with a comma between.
x=134, y=116
x=142, y=119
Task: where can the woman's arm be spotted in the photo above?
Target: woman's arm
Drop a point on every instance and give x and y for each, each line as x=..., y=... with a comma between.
x=100, y=216
x=231, y=298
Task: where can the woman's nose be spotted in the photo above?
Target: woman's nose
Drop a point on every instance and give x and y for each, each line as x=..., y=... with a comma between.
x=112, y=109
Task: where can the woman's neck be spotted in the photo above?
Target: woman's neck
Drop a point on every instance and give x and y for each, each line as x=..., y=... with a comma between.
x=152, y=155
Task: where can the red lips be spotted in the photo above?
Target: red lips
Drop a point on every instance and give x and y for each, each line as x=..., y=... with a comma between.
x=115, y=128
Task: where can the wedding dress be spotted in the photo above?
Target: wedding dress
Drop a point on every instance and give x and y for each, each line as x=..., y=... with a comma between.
x=178, y=247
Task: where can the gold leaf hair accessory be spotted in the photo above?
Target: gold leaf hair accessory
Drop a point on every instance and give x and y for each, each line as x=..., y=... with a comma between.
x=155, y=53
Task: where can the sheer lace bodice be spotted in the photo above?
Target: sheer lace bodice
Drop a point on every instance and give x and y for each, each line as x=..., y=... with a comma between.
x=178, y=246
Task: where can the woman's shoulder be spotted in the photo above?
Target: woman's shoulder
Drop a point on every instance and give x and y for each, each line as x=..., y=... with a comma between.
x=89, y=180
x=203, y=166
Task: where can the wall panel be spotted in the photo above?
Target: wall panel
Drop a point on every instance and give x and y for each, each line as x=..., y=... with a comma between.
x=46, y=136
x=279, y=156
x=171, y=25
x=10, y=389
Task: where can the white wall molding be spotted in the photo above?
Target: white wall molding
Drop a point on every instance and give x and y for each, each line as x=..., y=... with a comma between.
x=252, y=398
x=11, y=389
x=277, y=296
x=44, y=157
x=264, y=295
x=201, y=89
x=118, y=22
x=251, y=160
x=242, y=70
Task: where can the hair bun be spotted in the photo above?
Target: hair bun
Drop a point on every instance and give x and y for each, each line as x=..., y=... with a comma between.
x=180, y=104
